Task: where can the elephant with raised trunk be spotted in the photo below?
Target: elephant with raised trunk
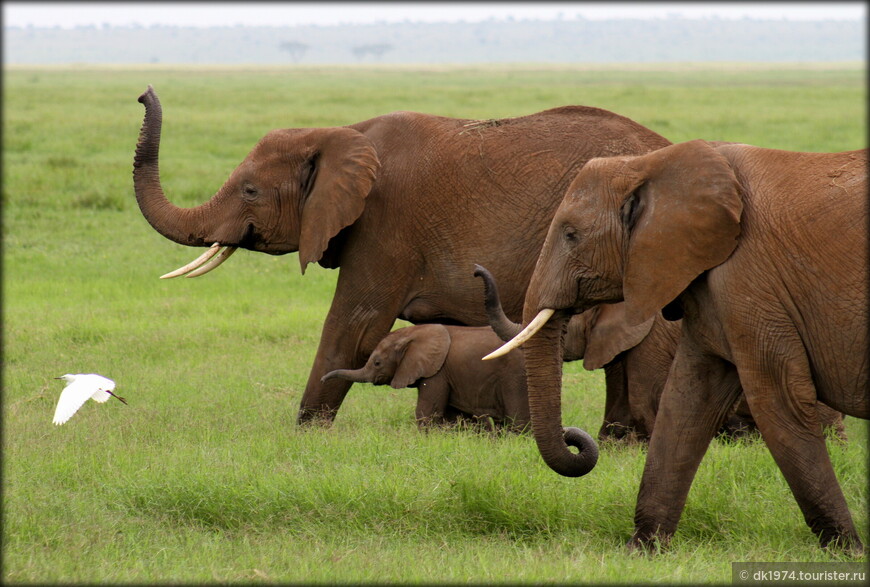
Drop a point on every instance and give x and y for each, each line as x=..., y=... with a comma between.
x=763, y=254
x=403, y=204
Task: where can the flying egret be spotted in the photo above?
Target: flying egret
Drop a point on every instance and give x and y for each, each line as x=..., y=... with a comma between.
x=79, y=388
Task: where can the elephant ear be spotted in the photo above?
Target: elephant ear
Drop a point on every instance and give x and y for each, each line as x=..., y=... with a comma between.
x=682, y=219
x=424, y=354
x=345, y=166
x=611, y=334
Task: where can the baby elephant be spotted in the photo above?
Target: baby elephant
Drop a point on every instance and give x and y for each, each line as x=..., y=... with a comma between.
x=443, y=363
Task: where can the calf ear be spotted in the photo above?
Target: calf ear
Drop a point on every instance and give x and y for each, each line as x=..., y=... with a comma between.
x=611, y=334
x=682, y=220
x=342, y=171
x=424, y=354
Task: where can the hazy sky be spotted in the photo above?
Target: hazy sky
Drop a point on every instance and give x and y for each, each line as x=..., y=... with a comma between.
x=70, y=14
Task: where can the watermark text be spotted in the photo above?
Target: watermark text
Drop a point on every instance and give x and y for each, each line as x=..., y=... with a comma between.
x=799, y=573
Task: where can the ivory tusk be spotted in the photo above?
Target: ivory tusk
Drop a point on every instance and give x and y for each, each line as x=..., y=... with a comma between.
x=527, y=333
x=212, y=250
x=223, y=256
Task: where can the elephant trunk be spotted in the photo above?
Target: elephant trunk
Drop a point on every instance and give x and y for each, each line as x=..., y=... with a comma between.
x=355, y=375
x=543, y=357
x=498, y=320
x=186, y=226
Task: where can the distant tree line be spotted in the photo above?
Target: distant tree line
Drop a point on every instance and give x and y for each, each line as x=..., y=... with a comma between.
x=492, y=41
x=297, y=50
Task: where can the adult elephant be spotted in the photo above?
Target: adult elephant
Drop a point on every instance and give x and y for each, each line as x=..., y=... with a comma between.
x=763, y=253
x=404, y=204
x=636, y=359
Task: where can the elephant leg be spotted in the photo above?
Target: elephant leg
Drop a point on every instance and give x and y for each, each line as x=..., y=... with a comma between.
x=350, y=334
x=782, y=399
x=644, y=386
x=617, y=414
x=698, y=396
x=433, y=395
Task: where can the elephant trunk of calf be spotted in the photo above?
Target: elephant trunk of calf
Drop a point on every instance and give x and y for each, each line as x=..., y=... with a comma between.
x=355, y=375
x=543, y=356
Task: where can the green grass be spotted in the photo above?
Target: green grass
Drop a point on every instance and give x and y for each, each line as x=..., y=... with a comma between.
x=204, y=476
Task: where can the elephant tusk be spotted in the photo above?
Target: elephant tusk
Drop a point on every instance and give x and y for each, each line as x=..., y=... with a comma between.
x=212, y=250
x=527, y=333
x=222, y=256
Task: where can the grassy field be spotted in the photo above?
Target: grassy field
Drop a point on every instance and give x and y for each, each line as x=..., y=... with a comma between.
x=204, y=476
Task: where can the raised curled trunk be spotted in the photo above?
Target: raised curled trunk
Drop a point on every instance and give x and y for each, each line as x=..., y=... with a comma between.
x=186, y=226
x=498, y=320
x=543, y=355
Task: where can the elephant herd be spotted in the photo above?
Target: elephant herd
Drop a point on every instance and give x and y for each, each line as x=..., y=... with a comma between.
x=720, y=286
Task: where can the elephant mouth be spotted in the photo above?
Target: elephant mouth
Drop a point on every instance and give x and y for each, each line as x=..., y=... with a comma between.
x=250, y=239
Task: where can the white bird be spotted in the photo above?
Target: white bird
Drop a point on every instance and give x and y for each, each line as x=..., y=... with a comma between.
x=79, y=388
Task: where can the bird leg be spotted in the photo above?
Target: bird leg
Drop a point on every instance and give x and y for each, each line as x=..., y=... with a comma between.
x=123, y=401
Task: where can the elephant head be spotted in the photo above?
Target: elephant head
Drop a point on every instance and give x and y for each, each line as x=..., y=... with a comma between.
x=597, y=335
x=638, y=229
x=402, y=357
x=294, y=192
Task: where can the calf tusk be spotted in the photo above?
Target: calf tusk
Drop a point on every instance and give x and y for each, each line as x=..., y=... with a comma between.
x=195, y=263
x=223, y=256
x=527, y=333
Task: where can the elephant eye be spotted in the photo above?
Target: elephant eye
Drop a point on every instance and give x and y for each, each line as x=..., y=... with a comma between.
x=249, y=191
x=569, y=233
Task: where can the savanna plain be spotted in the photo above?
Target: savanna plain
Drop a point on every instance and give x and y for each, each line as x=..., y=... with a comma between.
x=204, y=476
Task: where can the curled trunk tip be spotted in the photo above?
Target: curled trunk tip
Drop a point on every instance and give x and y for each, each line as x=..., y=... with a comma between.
x=588, y=450
x=148, y=95
x=543, y=356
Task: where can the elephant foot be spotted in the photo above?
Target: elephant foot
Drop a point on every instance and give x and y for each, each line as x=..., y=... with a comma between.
x=313, y=417
x=836, y=432
x=648, y=544
x=617, y=431
x=737, y=427
x=847, y=543
x=849, y=548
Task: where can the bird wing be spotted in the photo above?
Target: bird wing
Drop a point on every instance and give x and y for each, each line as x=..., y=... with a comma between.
x=99, y=385
x=101, y=395
x=71, y=399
